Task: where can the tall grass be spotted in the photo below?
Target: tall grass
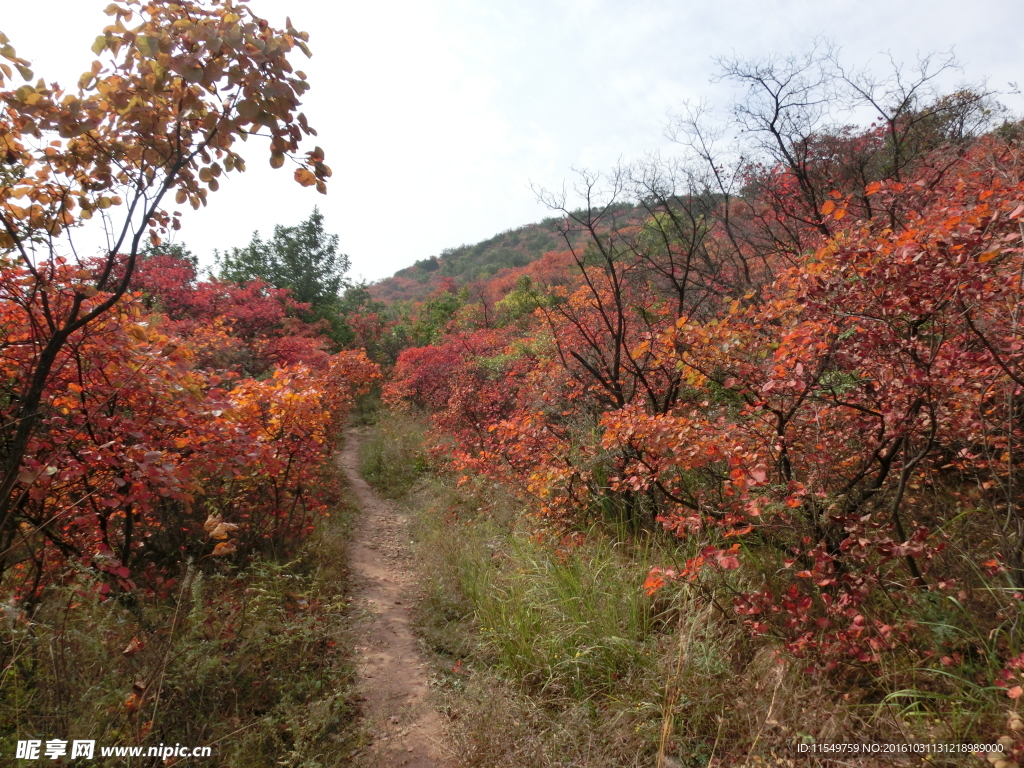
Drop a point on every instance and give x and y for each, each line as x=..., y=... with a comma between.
x=571, y=623
x=392, y=455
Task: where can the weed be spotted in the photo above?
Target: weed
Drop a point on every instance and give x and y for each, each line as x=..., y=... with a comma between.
x=252, y=661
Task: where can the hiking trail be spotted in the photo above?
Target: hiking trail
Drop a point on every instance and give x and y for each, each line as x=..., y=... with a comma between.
x=392, y=672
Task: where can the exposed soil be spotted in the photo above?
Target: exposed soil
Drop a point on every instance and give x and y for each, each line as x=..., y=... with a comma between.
x=406, y=730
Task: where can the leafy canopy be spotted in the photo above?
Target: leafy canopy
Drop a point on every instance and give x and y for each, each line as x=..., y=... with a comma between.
x=302, y=259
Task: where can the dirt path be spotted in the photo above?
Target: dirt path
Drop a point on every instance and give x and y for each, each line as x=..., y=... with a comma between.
x=392, y=672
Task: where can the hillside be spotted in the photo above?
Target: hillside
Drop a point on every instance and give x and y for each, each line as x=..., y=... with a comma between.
x=470, y=263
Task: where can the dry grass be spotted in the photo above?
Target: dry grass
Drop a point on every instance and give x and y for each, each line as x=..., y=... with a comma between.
x=252, y=661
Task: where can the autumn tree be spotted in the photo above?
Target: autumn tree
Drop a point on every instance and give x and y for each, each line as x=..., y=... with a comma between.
x=158, y=115
x=802, y=138
x=715, y=225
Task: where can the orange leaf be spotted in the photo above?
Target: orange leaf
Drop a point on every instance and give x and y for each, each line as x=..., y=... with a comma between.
x=225, y=548
x=133, y=647
x=828, y=207
x=305, y=177
x=653, y=583
x=222, y=530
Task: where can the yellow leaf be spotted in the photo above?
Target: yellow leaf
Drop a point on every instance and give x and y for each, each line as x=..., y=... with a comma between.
x=137, y=332
x=305, y=177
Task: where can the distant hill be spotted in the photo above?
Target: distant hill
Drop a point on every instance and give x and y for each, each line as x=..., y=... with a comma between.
x=471, y=263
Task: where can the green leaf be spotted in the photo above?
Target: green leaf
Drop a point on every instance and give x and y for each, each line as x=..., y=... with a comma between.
x=148, y=46
x=99, y=44
x=248, y=109
x=192, y=74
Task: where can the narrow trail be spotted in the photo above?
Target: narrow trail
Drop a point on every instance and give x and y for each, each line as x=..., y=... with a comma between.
x=406, y=730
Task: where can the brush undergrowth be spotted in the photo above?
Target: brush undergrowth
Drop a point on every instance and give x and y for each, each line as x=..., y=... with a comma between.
x=253, y=661
x=551, y=654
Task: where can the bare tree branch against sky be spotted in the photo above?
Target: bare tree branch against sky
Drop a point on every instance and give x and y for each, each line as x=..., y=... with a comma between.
x=437, y=115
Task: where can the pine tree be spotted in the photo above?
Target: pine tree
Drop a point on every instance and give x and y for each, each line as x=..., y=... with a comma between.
x=303, y=258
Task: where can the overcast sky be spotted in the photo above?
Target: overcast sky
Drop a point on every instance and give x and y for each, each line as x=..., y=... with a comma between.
x=437, y=115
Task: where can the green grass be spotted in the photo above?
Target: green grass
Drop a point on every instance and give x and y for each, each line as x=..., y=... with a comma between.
x=574, y=622
x=392, y=456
